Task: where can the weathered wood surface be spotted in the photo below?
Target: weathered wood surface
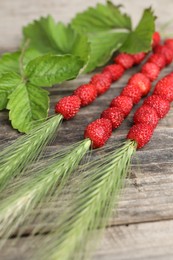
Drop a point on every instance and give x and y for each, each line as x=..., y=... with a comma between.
x=142, y=226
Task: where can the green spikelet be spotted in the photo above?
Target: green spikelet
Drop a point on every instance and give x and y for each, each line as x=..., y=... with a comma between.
x=93, y=203
x=51, y=176
x=26, y=149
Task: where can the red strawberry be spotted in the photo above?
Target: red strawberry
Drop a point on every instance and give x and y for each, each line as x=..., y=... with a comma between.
x=125, y=60
x=87, y=94
x=141, y=133
x=164, y=88
x=166, y=51
x=132, y=91
x=169, y=43
x=115, y=70
x=68, y=106
x=101, y=82
x=146, y=115
x=124, y=103
x=150, y=70
x=158, y=59
x=160, y=105
x=98, y=132
x=115, y=115
x=155, y=39
x=138, y=57
x=142, y=82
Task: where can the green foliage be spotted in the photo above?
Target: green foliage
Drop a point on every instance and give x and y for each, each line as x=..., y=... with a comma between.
x=21, y=91
x=109, y=30
x=140, y=39
x=15, y=158
x=8, y=82
x=51, y=69
x=47, y=36
x=28, y=106
x=91, y=206
x=45, y=178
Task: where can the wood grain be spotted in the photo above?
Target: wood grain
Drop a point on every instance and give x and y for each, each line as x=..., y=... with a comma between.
x=141, y=228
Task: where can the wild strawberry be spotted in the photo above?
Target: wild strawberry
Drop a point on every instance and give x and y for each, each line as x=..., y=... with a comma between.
x=164, y=88
x=141, y=133
x=146, y=115
x=115, y=115
x=142, y=82
x=125, y=60
x=124, y=103
x=87, y=94
x=138, y=57
x=101, y=82
x=158, y=59
x=150, y=70
x=160, y=105
x=166, y=51
x=132, y=91
x=68, y=106
x=169, y=43
x=115, y=70
x=155, y=39
x=98, y=132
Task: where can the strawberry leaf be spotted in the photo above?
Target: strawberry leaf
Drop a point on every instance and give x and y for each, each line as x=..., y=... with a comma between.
x=10, y=62
x=52, y=69
x=140, y=39
x=28, y=106
x=107, y=30
x=3, y=100
x=47, y=36
x=8, y=83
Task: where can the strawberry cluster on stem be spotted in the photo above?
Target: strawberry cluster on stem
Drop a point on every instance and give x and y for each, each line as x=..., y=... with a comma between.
x=154, y=108
x=85, y=94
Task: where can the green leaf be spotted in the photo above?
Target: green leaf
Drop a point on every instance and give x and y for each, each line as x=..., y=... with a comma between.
x=3, y=100
x=8, y=83
x=9, y=62
x=28, y=106
x=107, y=30
x=99, y=54
x=52, y=69
x=48, y=37
x=101, y=18
x=140, y=39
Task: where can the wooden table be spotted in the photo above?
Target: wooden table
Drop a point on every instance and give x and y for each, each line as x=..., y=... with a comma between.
x=142, y=227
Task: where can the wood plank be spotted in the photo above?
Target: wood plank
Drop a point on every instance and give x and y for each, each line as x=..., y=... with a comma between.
x=143, y=241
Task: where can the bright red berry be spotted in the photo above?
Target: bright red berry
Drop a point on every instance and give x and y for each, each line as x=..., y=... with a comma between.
x=164, y=88
x=115, y=70
x=166, y=51
x=87, y=94
x=160, y=105
x=115, y=115
x=68, y=106
x=155, y=39
x=125, y=60
x=98, y=132
x=142, y=82
x=101, y=82
x=138, y=57
x=141, y=133
x=158, y=59
x=132, y=91
x=169, y=43
x=124, y=103
x=150, y=70
x=146, y=115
